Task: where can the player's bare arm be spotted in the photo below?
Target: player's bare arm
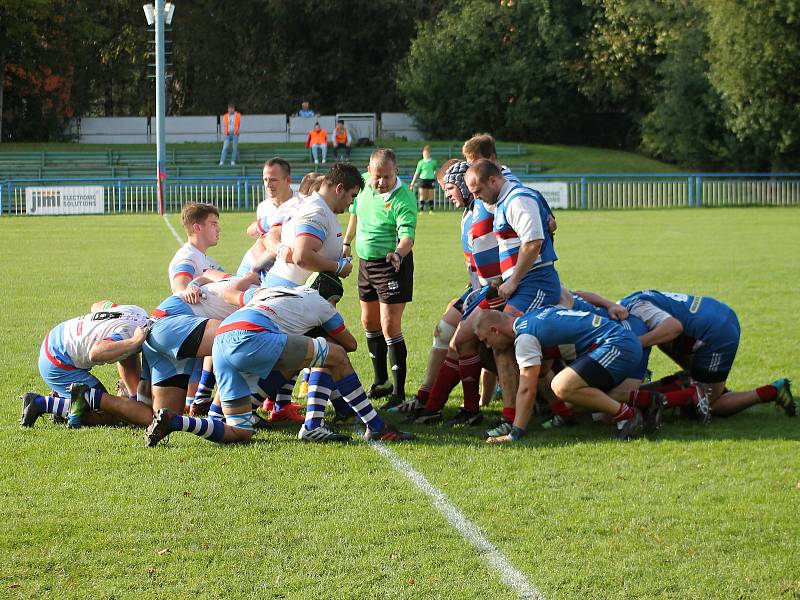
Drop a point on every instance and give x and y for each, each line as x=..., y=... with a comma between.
x=664, y=332
x=108, y=351
x=615, y=311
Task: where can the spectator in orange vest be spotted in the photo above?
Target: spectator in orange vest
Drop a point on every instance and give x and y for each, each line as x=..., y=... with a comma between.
x=341, y=141
x=230, y=127
x=317, y=140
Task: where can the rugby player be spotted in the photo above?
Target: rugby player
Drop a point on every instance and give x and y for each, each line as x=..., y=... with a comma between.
x=701, y=334
x=481, y=255
x=605, y=352
x=250, y=345
x=109, y=333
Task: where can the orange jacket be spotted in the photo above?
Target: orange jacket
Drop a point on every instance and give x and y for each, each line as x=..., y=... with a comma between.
x=342, y=137
x=226, y=122
x=317, y=137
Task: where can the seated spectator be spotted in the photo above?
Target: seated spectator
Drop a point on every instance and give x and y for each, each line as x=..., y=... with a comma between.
x=317, y=140
x=305, y=110
x=341, y=141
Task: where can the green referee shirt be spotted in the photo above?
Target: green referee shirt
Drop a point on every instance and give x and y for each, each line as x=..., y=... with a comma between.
x=426, y=168
x=383, y=221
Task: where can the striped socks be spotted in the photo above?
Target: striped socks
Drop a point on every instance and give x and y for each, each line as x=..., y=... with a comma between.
x=211, y=429
x=320, y=384
x=356, y=397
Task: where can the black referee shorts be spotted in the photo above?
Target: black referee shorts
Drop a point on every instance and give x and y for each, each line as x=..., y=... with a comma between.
x=377, y=280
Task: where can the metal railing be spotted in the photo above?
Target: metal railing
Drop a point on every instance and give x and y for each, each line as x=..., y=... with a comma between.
x=576, y=191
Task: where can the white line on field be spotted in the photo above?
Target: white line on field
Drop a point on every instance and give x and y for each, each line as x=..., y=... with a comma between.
x=511, y=576
x=172, y=229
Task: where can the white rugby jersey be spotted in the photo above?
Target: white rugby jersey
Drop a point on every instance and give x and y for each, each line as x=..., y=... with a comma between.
x=189, y=261
x=213, y=305
x=70, y=342
x=268, y=214
x=297, y=310
x=314, y=218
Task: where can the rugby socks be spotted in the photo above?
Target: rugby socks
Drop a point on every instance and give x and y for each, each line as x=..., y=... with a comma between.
x=508, y=414
x=320, y=385
x=93, y=397
x=341, y=407
x=682, y=397
x=284, y=395
x=447, y=378
x=215, y=412
x=639, y=398
x=469, y=370
x=397, y=358
x=767, y=393
x=624, y=413
x=561, y=409
x=205, y=387
x=211, y=429
x=376, y=345
x=422, y=394
x=53, y=404
x=353, y=393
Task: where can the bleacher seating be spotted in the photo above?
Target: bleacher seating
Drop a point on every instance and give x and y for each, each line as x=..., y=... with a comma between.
x=190, y=160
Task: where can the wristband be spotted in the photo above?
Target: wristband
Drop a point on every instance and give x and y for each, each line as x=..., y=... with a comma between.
x=193, y=283
x=400, y=256
x=516, y=433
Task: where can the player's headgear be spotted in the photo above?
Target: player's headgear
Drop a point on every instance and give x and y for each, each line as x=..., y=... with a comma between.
x=328, y=285
x=455, y=175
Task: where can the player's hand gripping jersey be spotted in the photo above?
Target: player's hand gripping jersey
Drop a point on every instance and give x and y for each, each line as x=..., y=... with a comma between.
x=296, y=310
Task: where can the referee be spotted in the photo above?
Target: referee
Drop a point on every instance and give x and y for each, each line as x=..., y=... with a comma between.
x=383, y=222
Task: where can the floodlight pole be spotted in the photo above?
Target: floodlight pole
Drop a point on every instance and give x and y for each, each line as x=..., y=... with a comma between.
x=161, y=146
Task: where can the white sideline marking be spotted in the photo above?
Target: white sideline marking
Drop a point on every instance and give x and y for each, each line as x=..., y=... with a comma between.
x=512, y=577
x=172, y=229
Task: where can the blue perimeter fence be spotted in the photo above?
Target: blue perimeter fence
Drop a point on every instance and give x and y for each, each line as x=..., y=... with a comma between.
x=572, y=191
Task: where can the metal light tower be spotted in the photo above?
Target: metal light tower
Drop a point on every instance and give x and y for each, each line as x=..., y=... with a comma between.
x=159, y=14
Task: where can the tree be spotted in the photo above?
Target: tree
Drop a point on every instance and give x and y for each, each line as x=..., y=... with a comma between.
x=497, y=67
x=755, y=50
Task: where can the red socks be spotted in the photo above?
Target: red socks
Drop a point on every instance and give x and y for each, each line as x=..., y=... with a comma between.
x=682, y=397
x=639, y=398
x=423, y=393
x=624, y=413
x=469, y=369
x=767, y=393
x=509, y=414
x=446, y=379
x=561, y=409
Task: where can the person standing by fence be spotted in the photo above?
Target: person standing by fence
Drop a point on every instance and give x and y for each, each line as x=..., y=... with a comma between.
x=426, y=171
x=230, y=129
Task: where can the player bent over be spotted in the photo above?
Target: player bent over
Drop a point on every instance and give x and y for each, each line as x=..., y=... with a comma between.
x=606, y=354
x=109, y=333
x=701, y=334
x=249, y=345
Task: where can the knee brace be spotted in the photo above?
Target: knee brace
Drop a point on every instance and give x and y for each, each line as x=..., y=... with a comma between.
x=442, y=335
x=320, y=352
x=241, y=421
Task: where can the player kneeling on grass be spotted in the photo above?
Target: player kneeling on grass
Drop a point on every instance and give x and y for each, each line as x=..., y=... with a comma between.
x=109, y=333
x=701, y=334
x=250, y=345
x=605, y=355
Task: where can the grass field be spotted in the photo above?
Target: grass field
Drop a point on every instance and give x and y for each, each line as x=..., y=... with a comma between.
x=693, y=513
